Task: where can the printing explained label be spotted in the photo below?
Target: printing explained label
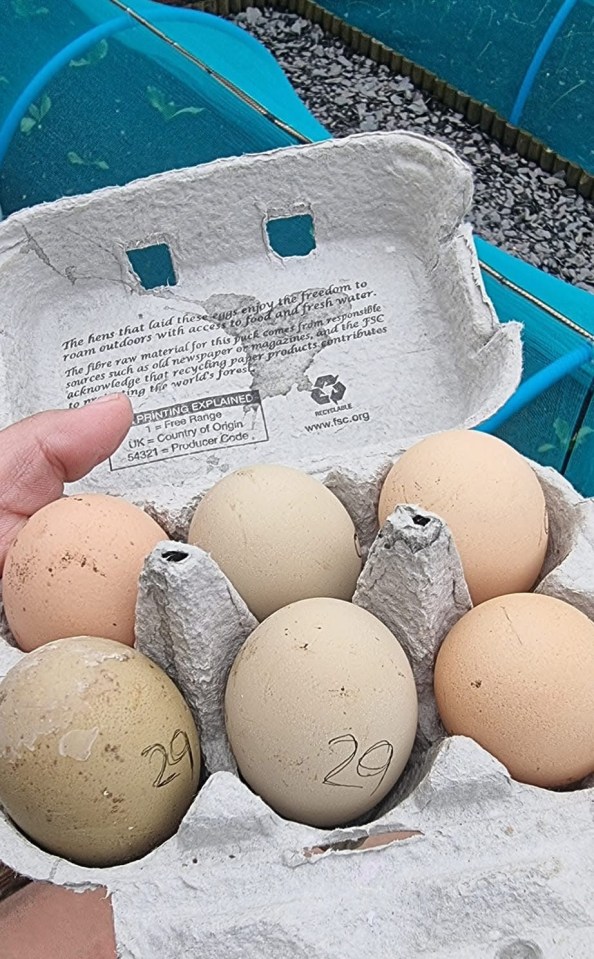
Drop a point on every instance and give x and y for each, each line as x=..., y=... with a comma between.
x=193, y=426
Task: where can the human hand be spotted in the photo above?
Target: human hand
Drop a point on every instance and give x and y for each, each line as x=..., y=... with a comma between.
x=37, y=456
x=43, y=921
x=41, y=453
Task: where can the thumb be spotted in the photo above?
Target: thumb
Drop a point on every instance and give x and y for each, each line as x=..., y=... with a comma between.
x=41, y=453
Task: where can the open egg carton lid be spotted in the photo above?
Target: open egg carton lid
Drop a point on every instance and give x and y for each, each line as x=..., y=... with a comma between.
x=333, y=361
x=319, y=306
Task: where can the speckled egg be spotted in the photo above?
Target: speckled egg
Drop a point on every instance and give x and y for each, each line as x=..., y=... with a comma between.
x=321, y=711
x=516, y=674
x=73, y=570
x=99, y=753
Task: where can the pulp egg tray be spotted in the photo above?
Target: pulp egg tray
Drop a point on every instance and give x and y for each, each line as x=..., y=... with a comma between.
x=319, y=307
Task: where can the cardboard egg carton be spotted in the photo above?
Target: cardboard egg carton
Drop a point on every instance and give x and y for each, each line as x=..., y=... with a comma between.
x=459, y=860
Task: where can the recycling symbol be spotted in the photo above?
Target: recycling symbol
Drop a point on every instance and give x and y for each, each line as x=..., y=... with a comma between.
x=328, y=389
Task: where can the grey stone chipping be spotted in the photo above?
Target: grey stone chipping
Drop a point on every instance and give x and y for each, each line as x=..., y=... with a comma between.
x=529, y=213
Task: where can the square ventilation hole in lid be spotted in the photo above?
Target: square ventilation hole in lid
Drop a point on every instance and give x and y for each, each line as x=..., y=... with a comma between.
x=153, y=266
x=291, y=235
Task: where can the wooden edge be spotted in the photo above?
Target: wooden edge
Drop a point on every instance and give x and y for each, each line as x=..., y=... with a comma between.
x=474, y=111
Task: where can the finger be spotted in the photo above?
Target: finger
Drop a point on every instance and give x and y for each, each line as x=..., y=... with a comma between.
x=41, y=453
x=48, y=922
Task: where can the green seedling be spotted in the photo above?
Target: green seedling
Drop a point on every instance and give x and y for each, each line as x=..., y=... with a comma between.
x=28, y=8
x=35, y=114
x=167, y=108
x=95, y=54
x=77, y=160
x=565, y=438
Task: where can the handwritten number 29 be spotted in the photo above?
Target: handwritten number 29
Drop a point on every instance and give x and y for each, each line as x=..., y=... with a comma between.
x=179, y=747
x=374, y=762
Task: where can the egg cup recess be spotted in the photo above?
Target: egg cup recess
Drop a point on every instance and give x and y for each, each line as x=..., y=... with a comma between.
x=192, y=623
x=565, y=578
x=197, y=639
x=414, y=556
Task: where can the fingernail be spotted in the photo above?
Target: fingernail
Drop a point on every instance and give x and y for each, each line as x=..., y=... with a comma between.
x=109, y=398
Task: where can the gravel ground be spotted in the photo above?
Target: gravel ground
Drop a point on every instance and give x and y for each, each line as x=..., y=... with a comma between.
x=517, y=206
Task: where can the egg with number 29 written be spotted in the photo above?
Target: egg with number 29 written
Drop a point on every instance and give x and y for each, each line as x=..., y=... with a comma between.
x=99, y=754
x=321, y=711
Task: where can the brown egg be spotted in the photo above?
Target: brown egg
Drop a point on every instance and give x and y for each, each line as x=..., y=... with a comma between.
x=321, y=711
x=516, y=674
x=490, y=498
x=279, y=536
x=73, y=570
x=99, y=754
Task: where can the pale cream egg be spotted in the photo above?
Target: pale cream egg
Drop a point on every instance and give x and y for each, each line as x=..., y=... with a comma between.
x=321, y=711
x=279, y=536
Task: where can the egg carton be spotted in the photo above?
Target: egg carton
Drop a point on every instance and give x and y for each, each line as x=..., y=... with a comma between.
x=173, y=289
x=459, y=860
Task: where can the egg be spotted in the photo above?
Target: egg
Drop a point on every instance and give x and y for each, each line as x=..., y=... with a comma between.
x=99, y=754
x=279, y=536
x=73, y=570
x=516, y=674
x=491, y=500
x=321, y=711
